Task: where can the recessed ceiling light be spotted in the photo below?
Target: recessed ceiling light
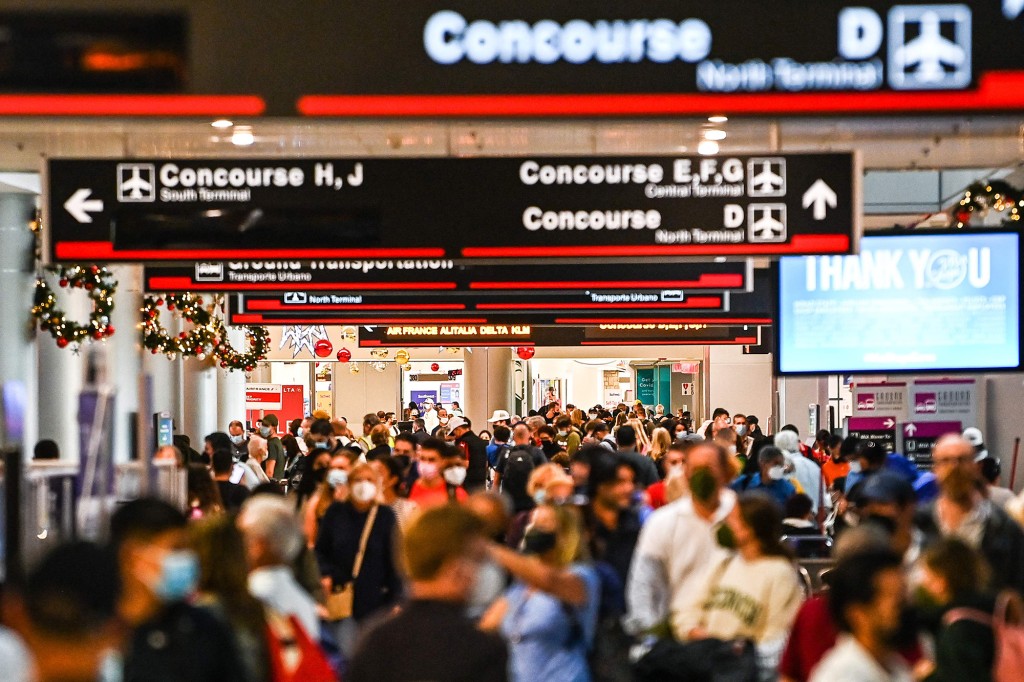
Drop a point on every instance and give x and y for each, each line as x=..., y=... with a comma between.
x=707, y=148
x=718, y=119
x=242, y=137
x=714, y=134
x=222, y=123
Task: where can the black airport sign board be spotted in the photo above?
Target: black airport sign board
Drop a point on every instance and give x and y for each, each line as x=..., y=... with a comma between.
x=442, y=275
x=504, y=334
x=514, y=209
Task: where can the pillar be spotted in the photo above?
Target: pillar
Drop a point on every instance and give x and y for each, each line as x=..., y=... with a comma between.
x=61, y=373
x=199, y=391
x=124, y=357
x=231, y=387
x=488, y=381
x=17, y=282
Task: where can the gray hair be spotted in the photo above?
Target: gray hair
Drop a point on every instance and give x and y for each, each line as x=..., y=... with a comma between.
x=787, y=441
x=257, y=447
x=272, y=519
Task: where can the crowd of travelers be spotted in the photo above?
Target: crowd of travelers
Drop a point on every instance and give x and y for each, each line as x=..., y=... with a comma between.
x=608, y=544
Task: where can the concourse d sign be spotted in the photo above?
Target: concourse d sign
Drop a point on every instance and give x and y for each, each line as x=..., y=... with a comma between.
x=191, y=210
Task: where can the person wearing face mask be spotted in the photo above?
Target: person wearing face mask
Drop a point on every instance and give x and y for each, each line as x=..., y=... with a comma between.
x=743, y=439
x=867, y=600
x=770, y=479
x=678, y=545
x=442, y=422
x=549, y=614
x=566, y=436
x=474, y=449
x=239, y=443
x=274, y=465
x=334, y=488
x=454, y=470
x=962, y=511
x=431, y=488
x=253, y=473
x=168, y=637
x=355, y=546
x=720, y=419
x=672, y=472
x=802, y=470
x=312, y=467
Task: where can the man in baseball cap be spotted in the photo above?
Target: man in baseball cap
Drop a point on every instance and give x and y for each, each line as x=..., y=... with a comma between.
x=475, y=450
x=974, y=436
x=500, y=418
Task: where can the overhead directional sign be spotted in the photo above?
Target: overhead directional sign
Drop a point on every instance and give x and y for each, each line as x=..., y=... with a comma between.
x=429, y=335
x=189, y=210
x=418, y=275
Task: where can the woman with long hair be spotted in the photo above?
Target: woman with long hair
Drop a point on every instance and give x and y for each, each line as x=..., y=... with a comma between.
x=203, y=494
x=660, y=440
x=549, y=614
x=753, y=593
x=392, y=476
x=643, y=441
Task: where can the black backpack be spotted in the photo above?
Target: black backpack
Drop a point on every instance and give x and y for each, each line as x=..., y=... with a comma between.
x=519, y=465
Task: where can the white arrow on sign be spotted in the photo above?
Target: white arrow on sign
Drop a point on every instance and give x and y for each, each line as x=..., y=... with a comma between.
x=910, y=429
x=822, y=197
x=888, y=423
x=80, y=205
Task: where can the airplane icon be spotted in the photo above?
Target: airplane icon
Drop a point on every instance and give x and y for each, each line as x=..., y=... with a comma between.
x=764, y=180
x=136, y=182
x=930, y=60
x=767, y=222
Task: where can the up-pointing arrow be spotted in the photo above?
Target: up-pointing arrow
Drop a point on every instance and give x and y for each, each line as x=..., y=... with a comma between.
x=821, y=196
x=79, y=205
x=910, y=429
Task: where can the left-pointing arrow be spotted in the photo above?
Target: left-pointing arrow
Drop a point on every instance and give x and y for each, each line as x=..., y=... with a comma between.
x=80, y=205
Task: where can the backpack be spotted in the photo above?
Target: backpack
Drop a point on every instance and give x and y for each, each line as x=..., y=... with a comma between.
x=495, y=458
x=1009, y=635
x=518, y=467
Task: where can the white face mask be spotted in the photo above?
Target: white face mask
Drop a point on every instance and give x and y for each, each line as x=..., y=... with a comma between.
x=741, y=429
x=676, y=470
x=237, y=440
x=777, y=473
x=364, y=491
x=337, y=477
x=455, y=475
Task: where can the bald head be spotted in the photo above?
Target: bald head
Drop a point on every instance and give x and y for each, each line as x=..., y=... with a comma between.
x=953, y=450
x=521, y=434
x=711, y=455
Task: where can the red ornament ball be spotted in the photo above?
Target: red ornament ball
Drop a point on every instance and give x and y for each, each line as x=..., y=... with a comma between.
x=110, y=330
x=62, y=342
x=170, y=306
x=526, y=352
x=434, y=367
x=323, y=348
x=344, y=355
x=97, y=335
x=63, y=282
x=963, y=216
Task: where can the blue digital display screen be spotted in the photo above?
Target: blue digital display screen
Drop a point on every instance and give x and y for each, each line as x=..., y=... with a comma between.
x=906, y=303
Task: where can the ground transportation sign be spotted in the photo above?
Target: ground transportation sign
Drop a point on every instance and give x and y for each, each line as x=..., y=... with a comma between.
x=189, y=210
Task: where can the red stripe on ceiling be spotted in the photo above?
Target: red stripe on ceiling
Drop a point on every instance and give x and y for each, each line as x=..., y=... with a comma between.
x=185, y=283
x=799, y=244
x=105, y=251
x=704, y=282
x=132, y=105
x=698, y=302
x=277, y=305
x=996, y=91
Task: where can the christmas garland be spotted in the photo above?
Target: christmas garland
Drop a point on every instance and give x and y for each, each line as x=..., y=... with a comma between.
x=100, y=285
x=259, y=344
x=208, y=337
x=980, y=197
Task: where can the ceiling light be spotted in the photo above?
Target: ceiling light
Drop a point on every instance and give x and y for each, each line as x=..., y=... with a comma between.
x=222, y=123
x=242, y=137
x=707, y=148
x=718, y=119
x=714, y=134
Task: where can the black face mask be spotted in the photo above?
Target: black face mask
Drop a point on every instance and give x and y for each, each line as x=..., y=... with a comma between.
x=910, y=625
x=320, y=474
x=538, y=541
x=884, y=522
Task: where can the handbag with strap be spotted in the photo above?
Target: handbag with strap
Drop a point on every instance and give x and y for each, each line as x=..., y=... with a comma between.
x=339, y=602
x=1006, y=630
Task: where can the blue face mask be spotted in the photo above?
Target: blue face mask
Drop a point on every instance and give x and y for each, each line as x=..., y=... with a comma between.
x=237, y=440
x=179, y=575
x=265, y=431
x=321, y=445
x=540, y=496
x=300, y=432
